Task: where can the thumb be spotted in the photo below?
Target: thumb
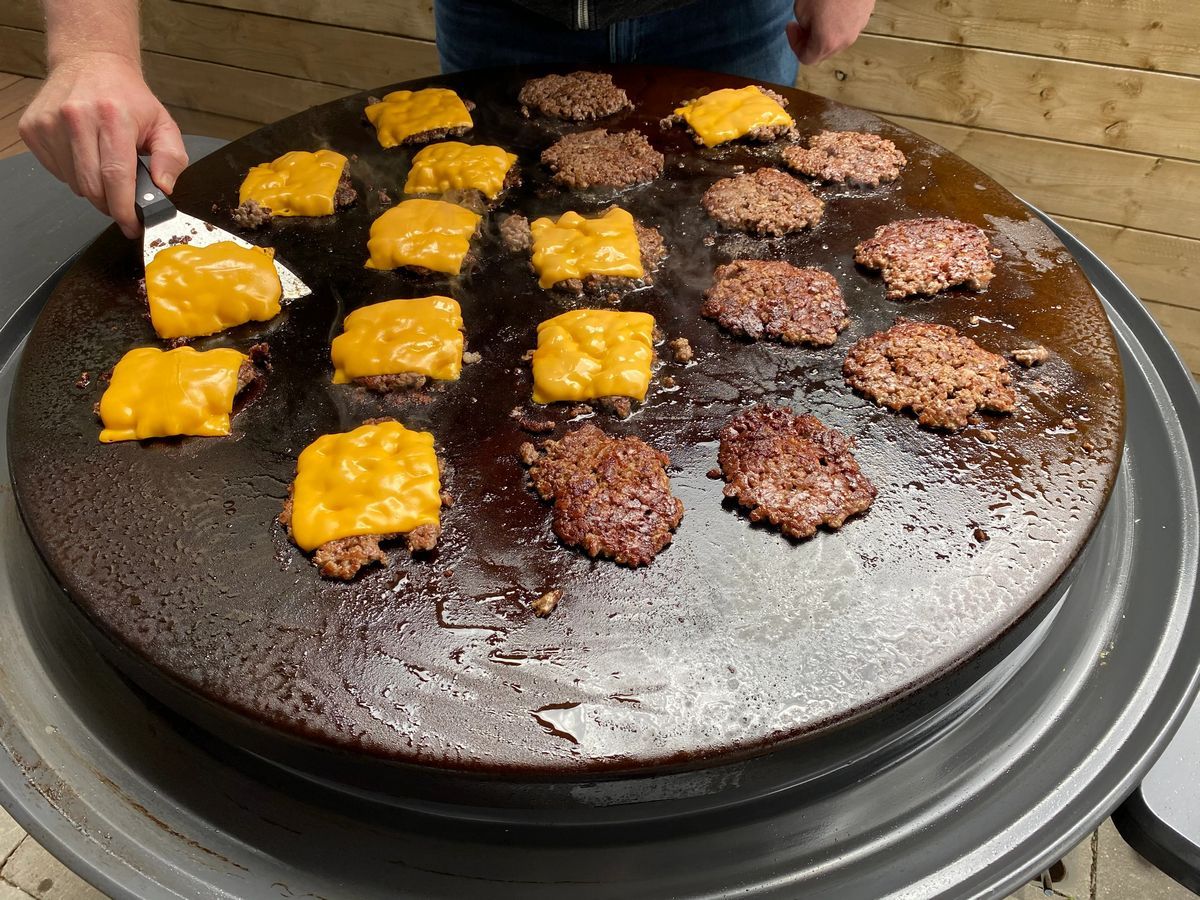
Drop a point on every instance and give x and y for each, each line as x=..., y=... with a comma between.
x=798, y=39
x=168, y=157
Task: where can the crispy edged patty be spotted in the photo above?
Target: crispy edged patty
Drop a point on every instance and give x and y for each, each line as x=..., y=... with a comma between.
x=774, y=299
x=578, y=97
x=344, y=557
x=761, y=134
x=942, y=376
x=611, y=495
x=251, y=215
x=601, y=158
x=765, y=201
x=791, y=470
x=517, y=237
x=924, y=256
x=852, y=157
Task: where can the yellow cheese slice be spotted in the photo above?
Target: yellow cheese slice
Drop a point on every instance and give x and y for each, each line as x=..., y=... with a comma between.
x=590, y=353
x=453, y=165
x=432, y=234
x=574, y=247
x=423, y=335
x=299, y=183
x=729, y=114
x=403, y=114
x=376, y=479
x=162, y=393
x=194, y=291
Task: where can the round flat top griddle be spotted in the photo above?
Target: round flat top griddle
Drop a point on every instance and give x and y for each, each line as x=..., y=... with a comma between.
x=734, y=640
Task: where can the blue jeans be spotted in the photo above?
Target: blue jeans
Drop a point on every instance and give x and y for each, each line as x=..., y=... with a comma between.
x=743, y=38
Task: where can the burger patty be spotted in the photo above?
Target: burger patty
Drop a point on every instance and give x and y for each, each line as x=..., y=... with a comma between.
x=942, y=376
x=603, y=159
x=765, y=202
x=251, y=215
x=516, y=235
x=577, y=97
x=386, y=384
x=791, y=470
x=761, y=134
x=774, y=299
x=853, y=157
x=611, y=495
x=925, y=256
x=344, y=557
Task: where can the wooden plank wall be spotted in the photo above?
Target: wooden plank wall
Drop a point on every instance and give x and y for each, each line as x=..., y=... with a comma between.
x=1088, y=108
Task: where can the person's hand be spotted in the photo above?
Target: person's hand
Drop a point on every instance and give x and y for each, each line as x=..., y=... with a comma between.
x=87, y=124
x=825, y=27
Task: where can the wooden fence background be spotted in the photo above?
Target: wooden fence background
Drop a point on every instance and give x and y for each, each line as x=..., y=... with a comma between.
x=1088, y=108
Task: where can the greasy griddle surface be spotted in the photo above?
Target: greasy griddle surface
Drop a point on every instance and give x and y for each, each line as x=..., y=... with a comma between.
x=734, y=639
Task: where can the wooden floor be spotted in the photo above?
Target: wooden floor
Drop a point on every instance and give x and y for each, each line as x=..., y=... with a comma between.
x=15, y=94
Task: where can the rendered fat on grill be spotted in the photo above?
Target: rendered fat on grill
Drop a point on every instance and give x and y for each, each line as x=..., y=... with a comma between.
x=422, y=336
x=574, y=247
x=728, y=114
x=427, y=234
x=379, y=479
x=455, y=166
x=196, y=291
x=586, y=354
x=403, y=115
x=299, y=183
x=166, y=393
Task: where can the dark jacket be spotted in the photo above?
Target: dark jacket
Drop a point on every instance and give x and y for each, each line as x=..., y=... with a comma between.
x=588, y=15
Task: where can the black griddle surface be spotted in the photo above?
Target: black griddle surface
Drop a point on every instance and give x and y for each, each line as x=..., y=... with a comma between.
x=734, y=641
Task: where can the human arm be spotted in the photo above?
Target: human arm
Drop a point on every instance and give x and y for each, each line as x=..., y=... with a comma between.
x=825, y=27
x=95, y=111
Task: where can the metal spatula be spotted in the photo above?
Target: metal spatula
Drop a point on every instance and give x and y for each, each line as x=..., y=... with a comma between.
x=164, y=224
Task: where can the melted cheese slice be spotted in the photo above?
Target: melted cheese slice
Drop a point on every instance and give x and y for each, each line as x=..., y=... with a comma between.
x=162, y=393
x=299, y=183
x=422, y=336
x=590, y=353
x=574, y=247
x=453, y=165
x=194, y=291
x=403, y=114
x=431, y=234
x=729, y=114
x=376, y=479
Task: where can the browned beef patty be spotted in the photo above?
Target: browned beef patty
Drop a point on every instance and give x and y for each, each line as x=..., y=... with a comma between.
x=791, y=470
x=852, y=157
x=924, y=256
x=612, y=496
x=761, y=134
x=345, y=557
x=765, y=201
x=386, y=384
x=942, y=376
x=517, y=237
x=774, y=299
x=603, y=159
x=579, y=97
x=251, y=215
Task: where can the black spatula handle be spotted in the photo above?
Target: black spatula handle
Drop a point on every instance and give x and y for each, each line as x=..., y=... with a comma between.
x=152, y=204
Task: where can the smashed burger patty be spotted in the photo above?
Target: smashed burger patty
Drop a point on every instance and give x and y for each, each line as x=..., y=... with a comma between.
x=765, y=201
x=579, y=96
x=942, y=376
x=253, y=215
x=924, y=256
x=612, y=496
x=342, y=558
x=853, y=157
x=791, y=470
x=774, y=299
x=601, y=158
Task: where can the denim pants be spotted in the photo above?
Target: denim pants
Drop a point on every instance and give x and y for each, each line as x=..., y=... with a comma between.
x=741, y=38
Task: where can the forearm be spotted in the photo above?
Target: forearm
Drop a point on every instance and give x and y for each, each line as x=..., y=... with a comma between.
x=80, y=27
